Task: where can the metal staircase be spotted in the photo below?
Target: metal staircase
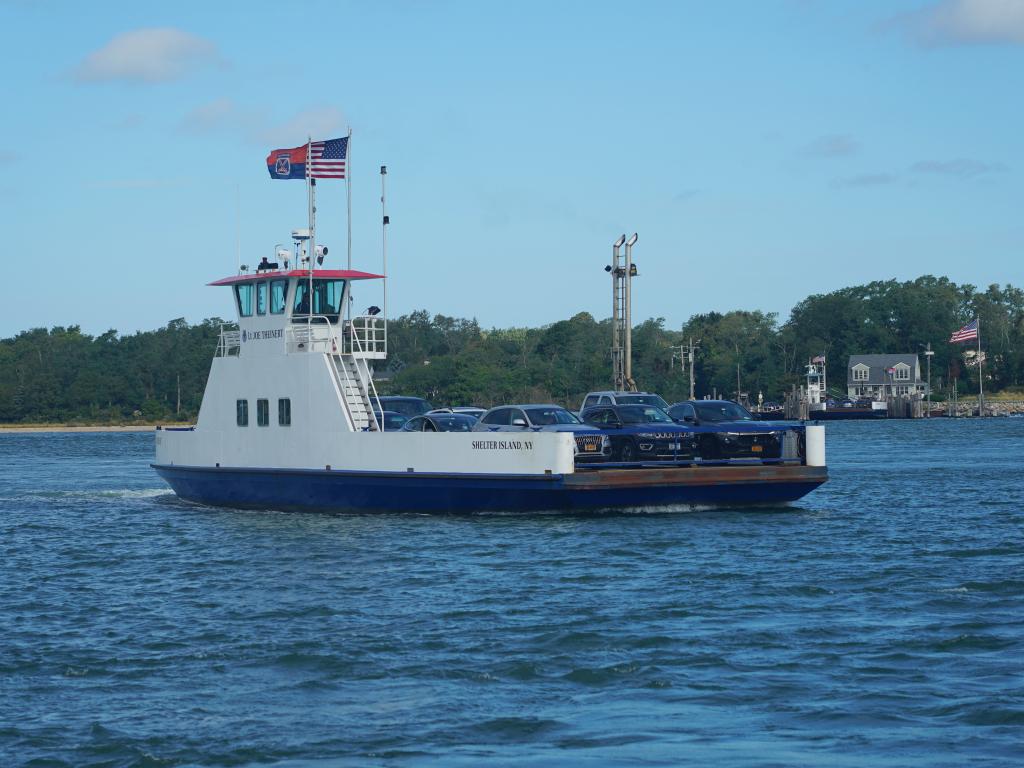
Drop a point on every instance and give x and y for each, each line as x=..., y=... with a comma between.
x=355, y=382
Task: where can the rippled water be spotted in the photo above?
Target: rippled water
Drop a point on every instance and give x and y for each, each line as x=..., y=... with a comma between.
x=877, y=622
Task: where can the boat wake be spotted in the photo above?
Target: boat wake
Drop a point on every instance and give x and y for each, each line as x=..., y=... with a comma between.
x=121, y=493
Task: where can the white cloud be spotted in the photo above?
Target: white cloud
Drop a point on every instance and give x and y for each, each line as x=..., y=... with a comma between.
x=256, y=126
x=134, y=184
x=224, y=114
x=318, y=122
x=151, y=55
x=966, y=22
x=833, y=145
x=866, y=180
x=962, y=168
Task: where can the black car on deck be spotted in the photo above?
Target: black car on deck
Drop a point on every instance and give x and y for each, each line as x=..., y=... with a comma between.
x=404, y=404
x=727, y=430
x=392, y=421
x=440, y=422
x=641, y=432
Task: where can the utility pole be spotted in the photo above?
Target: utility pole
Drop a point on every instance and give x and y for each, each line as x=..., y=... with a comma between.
x=928, y=356
x=691, y=366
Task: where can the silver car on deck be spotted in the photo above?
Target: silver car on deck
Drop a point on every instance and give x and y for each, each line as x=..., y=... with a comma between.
x=591, y=444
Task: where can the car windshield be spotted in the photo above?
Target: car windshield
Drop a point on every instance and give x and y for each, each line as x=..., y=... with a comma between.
x=407, y=406
x=454, y=423
x=541, y=417
x=655, y=400
x=709, y=411
x=641, y=414
x=394, y=420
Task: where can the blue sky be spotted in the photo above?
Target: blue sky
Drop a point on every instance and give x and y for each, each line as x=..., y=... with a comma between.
x=763, y=151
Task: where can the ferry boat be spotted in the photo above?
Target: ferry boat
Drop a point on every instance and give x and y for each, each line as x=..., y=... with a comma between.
x=287, y=422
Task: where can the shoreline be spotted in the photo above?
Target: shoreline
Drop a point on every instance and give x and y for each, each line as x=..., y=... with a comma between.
x=36, y=428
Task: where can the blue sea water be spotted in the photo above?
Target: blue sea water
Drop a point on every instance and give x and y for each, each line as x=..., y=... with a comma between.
x=878, y=622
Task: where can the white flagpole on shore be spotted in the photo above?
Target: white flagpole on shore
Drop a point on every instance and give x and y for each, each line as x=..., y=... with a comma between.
x=981, y=374
x=348, y=192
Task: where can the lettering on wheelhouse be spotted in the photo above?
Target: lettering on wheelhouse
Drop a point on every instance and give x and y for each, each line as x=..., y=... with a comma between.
x=502, y=445
x=275, y=333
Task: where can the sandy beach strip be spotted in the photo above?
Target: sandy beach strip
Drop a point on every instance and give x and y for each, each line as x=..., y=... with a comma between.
x=9, y=430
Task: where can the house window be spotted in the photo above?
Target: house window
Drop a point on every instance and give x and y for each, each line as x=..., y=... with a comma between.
x=860, y=374
x=284, y=412
x=902, y=373
x=262, y=413
x=903, y=389
x=242, y=413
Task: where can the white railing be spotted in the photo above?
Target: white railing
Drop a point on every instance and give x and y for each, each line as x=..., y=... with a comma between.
x=313, y=334
x=367, y=384
x=368, y=336
x=229, y=342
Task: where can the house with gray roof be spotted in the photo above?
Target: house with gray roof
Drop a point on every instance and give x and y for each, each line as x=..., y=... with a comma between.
x=881, y=376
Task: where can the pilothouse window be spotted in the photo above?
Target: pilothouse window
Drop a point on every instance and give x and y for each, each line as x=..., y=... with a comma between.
x=326, y=298
x=243, y=293
x=278, y=291
x=261, y=298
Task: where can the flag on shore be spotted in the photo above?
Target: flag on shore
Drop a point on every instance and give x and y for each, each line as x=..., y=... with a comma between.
x=968, y=333
x=326, y=160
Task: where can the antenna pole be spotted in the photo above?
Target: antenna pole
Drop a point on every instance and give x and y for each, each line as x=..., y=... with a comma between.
x=238, y=226
x=384, y=235
x=348, y=192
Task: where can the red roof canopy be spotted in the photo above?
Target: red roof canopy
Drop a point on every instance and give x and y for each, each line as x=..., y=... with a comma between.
x=325, y=274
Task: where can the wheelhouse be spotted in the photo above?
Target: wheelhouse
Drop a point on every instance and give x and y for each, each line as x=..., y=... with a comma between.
x=291, y=311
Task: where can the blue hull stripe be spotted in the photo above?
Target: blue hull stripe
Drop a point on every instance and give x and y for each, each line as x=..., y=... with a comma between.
x=333, y=490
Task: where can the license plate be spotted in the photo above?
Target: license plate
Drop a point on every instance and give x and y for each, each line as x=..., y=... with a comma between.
x=757, y=448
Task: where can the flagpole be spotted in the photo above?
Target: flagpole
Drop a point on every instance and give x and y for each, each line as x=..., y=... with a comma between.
x=981, y=374
x=311, y=187
x=348, y=192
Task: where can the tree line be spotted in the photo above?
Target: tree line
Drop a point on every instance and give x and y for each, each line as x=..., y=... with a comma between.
x=64, y=375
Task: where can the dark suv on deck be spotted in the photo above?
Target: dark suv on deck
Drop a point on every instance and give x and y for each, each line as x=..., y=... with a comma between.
x=642, y=432
x=405, y=405
x=727, y=430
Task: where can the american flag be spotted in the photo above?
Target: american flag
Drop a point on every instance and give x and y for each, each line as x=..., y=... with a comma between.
x=967, y=333
x=327, y=159
x=818, y=359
